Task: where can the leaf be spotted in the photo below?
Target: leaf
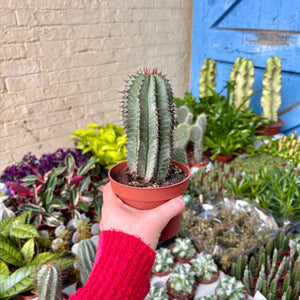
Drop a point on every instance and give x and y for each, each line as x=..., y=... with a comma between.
x=23, y=231
x=64, y=263
x=74, y=196
x=31, y=207
x=4, y=271
x=50, y=220
x=83, y=206
x=19, y=189
x=60, y=170
x=5, y=226
x=44, y=257
x=9, y=253
x=83, y=186
x=28, y=250
x=70, y=163
x=23, y=218
x=20, y=281
x=30, y=178
x=58, y=203
x=87, y=197
x=87, y=166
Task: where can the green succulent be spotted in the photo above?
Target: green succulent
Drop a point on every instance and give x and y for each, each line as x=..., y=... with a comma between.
x=204, y=266
x=164, y=260
x=182, y=279
x=184, y=248
x=106, y=143
x=229, y=288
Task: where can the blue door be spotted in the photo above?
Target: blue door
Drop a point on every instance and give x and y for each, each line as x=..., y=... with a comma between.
x=254, y=29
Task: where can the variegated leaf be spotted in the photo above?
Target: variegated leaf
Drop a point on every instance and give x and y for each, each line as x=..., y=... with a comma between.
x=9, y=253
x=28, y=250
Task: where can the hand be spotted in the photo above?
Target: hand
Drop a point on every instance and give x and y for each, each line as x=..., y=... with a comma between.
x=119, y=216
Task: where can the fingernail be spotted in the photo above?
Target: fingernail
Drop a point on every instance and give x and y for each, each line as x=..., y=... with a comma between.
x=187, y=198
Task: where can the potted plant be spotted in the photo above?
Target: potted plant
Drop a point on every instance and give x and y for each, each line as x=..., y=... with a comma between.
x=157, y=293
x=183, y=250
x=271, y=97
x=229, y=288
x=182, y=283
x=208, y=297
x=149, y=177
x=164, y=262
x=205, y=268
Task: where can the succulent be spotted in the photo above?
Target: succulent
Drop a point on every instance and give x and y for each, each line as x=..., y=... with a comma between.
x=86, y=258
x=182, y=279
x=157, y=293
x=242, y=79
x=149, y=117
x=183, y=248
x=229, y=288
x=208, y=297
x=204, y=266
x=271, y=97
x=49, y=282
x=207, y=78
x=164, y=261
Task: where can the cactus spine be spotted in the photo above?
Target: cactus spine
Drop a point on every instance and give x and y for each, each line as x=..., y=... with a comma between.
x=86, y=258
x=242, y=79
x=271, y=97
x=148, y=115
x=49, y=282
x=207, y=78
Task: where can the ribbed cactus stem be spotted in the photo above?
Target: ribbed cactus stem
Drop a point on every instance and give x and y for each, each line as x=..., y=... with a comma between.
x=271, y=97
x=148, y=115
x=184, y=115
x=49, y=282
x=86, y=258
x=242, y=79
x=207, y=78
x=181, y=138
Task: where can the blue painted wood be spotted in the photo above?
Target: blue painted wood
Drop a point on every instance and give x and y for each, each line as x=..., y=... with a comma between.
x=255, y=29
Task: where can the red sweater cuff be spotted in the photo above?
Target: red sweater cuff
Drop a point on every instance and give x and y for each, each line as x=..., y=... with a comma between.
x=121, y=270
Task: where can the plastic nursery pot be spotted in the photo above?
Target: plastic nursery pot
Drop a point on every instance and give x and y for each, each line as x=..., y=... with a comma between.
x=224, y=158
x=28, y=297
x=214, y=279
x=149, y=197
x=162, y=274
x=203, y=163
x=271, y=129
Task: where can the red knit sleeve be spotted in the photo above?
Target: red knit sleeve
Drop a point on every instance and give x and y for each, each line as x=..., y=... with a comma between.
x=121, y=269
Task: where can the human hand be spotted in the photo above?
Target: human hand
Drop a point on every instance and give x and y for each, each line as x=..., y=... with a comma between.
x=119, y=216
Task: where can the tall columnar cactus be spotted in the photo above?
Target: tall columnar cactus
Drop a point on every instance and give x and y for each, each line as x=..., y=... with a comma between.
x=242, y=79
x=149, y=117
x=207, y=78
x=196, y=136
x=49, y=282
x=271, y=97
x=86, y=258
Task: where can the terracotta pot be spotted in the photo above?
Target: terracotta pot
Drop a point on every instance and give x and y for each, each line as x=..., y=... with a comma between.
x=203, y=163
x=147, y=198
x=214, y=279
x=224, y=158
x=271, y=129
x=28, y=297
x=162, y=274
x=173, y=294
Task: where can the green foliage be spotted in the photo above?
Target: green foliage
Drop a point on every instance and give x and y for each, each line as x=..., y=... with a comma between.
x=49, y=282
x=17, y=252
x=148, y=115
x=156, y=293
x=229, y=288
x=271, y=97
x=106, y=143
x=287, y=148
x=204, y=266
x=164, y=260
x=86, y=258
x=184, y=248
x=207, y=80
x=242, y=79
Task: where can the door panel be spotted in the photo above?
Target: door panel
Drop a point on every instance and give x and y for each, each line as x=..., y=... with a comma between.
x=254, y=29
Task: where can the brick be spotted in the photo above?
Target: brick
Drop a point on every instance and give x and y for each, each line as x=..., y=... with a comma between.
x=7, y=19
x=53, y=33
x=24, y=82
x=8, y=52
x=91, y=31
x=26, y=17
x=19, y=67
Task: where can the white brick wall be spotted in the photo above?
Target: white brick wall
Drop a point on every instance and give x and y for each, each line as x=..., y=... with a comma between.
x=62, y=63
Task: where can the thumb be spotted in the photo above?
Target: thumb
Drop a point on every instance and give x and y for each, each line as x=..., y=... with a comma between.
x=170, y=209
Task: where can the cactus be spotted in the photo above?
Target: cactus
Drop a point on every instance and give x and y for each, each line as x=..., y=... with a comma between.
x=149, y=117
x=204, y=267
x=296, y=290
x=196, y=136
x=246, y=279
x=271, y=97
x=260, y=280
x=296, y=273
x=49, y=282
x=164, y=261
x=207, y=78
x=86, y=258
x=230, y=288
x=242, y=79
